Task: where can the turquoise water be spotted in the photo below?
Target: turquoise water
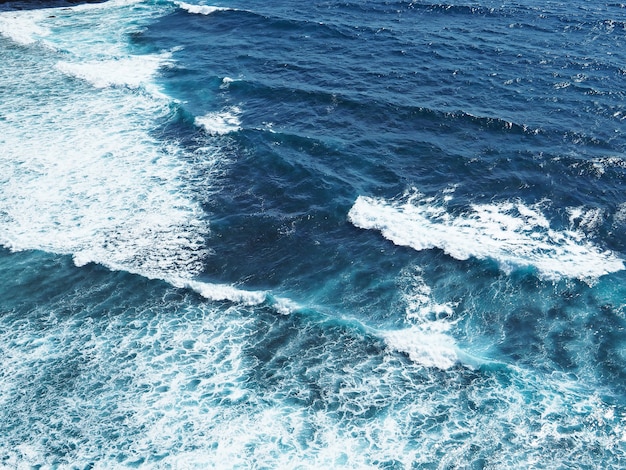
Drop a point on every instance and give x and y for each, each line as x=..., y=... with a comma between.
x=324, y=235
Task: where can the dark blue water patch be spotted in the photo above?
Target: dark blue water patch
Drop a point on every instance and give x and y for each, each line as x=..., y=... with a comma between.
x=210, y=38
x=285, y=211
x=179, y=126
x=401, y=137
x=323, y=108
x=245, y=37
x=296, y=88
x=385, y=165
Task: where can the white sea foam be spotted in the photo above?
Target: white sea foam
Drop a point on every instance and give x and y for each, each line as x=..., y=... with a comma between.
x=427, y=340
x=223, y=122
x=585, y=218
x=424, y=346
x=23, y=27
x=512, y=233
x=226, y=81
x=132, y=71
x=421, y=308
x=620, y=215
x=33, y=25
x=220, y=292
x=82, y=171
x=199, y=9
x=601, y=165
x=177, y=384
x=83, y=176
x=228, y=292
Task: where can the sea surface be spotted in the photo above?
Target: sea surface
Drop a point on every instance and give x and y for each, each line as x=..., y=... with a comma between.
x=300, y=235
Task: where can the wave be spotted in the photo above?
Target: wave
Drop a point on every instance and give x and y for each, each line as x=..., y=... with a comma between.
x=426, y=340
x=222, y=382
x=84, y=171
x=121, y=196
x=23, y=27
x=385, y=108
x=230, y=293
x=219, y=123
x=200, y=9
x=132, y=71
x=406, y=117
x=511, y=233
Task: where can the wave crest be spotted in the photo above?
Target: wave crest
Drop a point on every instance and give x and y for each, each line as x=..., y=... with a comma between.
x=199, y=9
x=511, y=233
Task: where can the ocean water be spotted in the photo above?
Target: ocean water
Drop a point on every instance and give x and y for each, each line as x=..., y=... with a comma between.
x=329, y=234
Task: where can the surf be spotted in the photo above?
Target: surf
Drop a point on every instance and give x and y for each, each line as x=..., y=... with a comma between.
x=513, y=234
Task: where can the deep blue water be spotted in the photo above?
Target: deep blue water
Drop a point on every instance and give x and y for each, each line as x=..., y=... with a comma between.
x=375, y=234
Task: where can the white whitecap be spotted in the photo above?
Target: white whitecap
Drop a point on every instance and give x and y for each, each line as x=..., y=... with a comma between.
x=226, y=81
x=220, y=292
x=23, y=27
x=199, y=9
x=427, y=347
x=85, y=177
x=620, y=215
x=231, y=293
x=421, y=307
x=222, y=122
x=131, y=71
x=585, y=218
x=427, y=339
x=512, y=233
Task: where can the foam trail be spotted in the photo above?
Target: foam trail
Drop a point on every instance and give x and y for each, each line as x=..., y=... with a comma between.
x=513, y=234
x=230, y=293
